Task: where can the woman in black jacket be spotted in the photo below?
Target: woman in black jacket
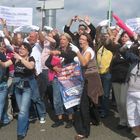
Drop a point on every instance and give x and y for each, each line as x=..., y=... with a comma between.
x=66, y=56
x=119, y=69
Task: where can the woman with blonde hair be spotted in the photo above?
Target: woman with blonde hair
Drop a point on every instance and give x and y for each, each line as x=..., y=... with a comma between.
x=65, y=56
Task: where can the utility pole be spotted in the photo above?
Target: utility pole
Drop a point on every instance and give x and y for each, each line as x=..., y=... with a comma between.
x=51, y=18
x=43, y=14
x=42, y=9
x=109, y=14
x=48, y=10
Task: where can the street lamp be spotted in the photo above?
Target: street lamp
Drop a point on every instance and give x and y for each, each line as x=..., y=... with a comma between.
x=43, y=13
x=48, y=9
x=109, y=15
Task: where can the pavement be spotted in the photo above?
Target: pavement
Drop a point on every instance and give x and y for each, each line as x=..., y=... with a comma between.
x=105, y=131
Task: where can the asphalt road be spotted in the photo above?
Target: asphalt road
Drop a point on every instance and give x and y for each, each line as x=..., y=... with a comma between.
x=105, y=131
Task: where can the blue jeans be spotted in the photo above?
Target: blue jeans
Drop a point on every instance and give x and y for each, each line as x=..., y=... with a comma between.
x=5, y=118
x=57, y=100
x=23, y=98
x=106, y=83
x=3, y=95
x=40, y=105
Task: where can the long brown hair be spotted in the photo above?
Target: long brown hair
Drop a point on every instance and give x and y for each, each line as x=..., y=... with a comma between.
x=89, y=40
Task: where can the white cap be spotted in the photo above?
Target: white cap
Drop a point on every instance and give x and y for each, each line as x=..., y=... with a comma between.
x=48, y=28
x=26, y=28
x=19, y=29
x=103, y=23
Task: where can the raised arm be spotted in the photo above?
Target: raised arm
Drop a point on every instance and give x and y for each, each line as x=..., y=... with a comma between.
x=5, y=29
x=84, y=60
x=67, y=27
x=91, y=28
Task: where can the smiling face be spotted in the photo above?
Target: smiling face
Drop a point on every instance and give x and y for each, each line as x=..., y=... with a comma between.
x=124, y=38
x=23, y=51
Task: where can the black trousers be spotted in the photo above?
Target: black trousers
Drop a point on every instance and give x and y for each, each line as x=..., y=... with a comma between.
x=82, y=115
x=45, y=87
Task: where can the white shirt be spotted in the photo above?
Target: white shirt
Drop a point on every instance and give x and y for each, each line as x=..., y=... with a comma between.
x=90, y=50
x=45, y=54
x=36, y=53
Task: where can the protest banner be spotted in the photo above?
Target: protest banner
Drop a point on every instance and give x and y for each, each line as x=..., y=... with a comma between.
x=71, y=85
x=16, y=16
x=134, y=24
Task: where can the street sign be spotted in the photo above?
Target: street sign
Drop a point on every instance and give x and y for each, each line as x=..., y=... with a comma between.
x=50, y=4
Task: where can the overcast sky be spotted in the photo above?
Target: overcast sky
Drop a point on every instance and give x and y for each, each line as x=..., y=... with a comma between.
x=96, y=9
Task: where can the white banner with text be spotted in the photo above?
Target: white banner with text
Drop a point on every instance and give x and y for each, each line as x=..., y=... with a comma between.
x=16, y=16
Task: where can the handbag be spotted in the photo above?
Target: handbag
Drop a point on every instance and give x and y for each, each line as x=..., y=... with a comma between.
x=91, y=68
x=54, y=62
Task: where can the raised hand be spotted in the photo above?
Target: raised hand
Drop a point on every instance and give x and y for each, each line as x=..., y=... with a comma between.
x=3, y=21
x=87, y=20
x=75, y=18
x=17, y=56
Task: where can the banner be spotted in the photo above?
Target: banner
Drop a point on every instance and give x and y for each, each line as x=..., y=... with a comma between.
x=71, y=85
x=134, y=24
x=16, y=16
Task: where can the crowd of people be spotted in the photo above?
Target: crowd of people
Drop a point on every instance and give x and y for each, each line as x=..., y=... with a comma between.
x=33, y=74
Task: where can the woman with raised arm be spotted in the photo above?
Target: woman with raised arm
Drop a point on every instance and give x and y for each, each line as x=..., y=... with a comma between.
x=24, y=73
x=92, y=86
x=67, y=56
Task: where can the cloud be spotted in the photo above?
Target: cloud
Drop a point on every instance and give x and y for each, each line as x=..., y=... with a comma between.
x=96, y=9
